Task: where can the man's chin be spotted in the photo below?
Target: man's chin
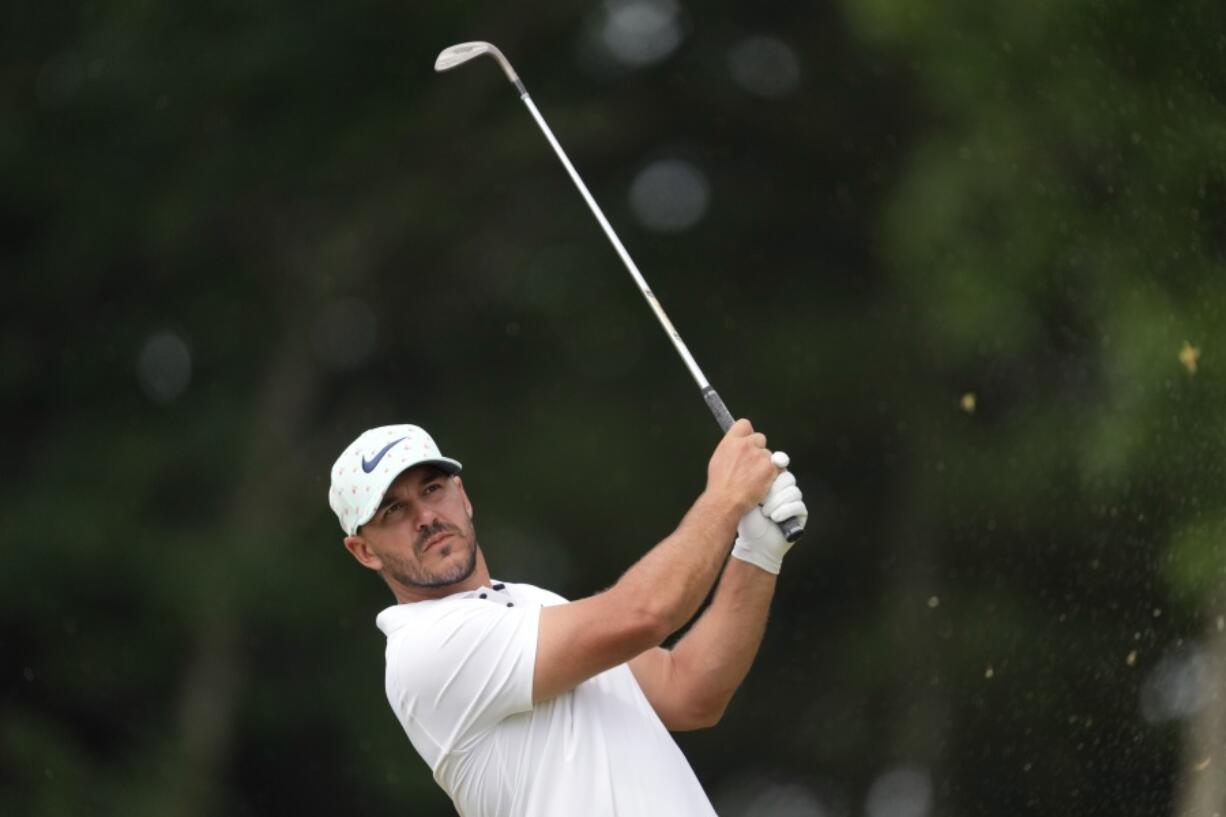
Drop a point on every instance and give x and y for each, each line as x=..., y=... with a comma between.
x=452, y=574
x=462, y=572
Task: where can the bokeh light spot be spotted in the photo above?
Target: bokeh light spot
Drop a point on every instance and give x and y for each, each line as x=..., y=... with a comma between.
x=905, y=791
x=164, y=367
x=1180, y=685
x=640, y=32
x=669, y=196
x=764, y=66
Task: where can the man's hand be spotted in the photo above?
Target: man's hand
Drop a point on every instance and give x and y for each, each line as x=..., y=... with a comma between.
x=741, y=469
x=759, y=540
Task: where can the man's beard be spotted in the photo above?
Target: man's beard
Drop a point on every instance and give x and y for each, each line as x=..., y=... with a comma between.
x=415, y=575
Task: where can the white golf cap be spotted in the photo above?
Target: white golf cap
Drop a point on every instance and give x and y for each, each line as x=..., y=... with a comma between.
x=363, y=473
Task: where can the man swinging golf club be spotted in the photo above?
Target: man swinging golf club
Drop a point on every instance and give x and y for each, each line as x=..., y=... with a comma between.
x=523, y=703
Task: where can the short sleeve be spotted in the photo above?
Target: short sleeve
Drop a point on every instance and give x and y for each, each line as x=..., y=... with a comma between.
x=457, y=674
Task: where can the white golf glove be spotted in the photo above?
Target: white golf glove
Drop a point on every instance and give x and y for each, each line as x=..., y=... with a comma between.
x=759, y=540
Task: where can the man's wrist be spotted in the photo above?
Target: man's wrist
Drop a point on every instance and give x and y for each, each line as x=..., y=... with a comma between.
x=720, y=511
x=726, y=504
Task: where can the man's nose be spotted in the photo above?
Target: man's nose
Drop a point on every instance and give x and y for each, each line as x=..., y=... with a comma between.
x=426, y=517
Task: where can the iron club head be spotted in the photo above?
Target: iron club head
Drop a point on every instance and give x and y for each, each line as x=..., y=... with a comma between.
x=460, y=53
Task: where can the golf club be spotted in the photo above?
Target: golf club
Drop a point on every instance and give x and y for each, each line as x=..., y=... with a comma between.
x=461, y=53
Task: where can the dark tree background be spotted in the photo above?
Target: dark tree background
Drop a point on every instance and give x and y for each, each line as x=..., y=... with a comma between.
x=964, y=260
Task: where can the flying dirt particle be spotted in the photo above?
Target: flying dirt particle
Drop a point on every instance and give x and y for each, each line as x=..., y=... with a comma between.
x=989, y=672
x=1204, y=764
x=968, y=402
x=934, y=602
x=1188, y=356
x=1131, y=660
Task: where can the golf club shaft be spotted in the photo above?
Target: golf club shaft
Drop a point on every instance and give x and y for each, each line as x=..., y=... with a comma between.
x=722, y=415
x=633, y=269
x=461, y=53
x=790, y=527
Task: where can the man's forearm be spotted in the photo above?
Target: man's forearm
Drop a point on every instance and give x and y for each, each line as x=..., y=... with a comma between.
x=664, y=589
x=653, y=599
x=713, y=658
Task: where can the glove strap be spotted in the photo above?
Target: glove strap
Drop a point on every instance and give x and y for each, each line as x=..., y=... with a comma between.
x=769, y=563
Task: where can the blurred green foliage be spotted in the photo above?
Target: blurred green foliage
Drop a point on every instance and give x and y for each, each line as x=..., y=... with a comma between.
x=969, y=273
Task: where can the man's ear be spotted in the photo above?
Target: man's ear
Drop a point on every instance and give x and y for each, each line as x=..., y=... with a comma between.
x=362, y=552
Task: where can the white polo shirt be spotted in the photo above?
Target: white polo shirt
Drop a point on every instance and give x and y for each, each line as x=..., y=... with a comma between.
x=459, y=678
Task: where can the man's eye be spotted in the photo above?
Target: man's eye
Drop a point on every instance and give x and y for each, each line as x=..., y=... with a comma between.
x=432, y=487
x=392, y=509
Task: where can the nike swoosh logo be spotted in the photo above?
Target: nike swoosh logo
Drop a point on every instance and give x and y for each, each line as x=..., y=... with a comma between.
x=373, y=463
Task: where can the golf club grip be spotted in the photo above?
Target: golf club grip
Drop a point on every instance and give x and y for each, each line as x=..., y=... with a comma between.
x=791, y=529
x=722, y=415
x=791, y=526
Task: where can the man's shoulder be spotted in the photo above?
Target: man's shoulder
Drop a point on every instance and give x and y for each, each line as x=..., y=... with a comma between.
x=420, y=617
x=401, y=619
x=538, y=594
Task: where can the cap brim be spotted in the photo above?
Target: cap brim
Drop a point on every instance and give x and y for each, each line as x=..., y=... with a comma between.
x=447, y=464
